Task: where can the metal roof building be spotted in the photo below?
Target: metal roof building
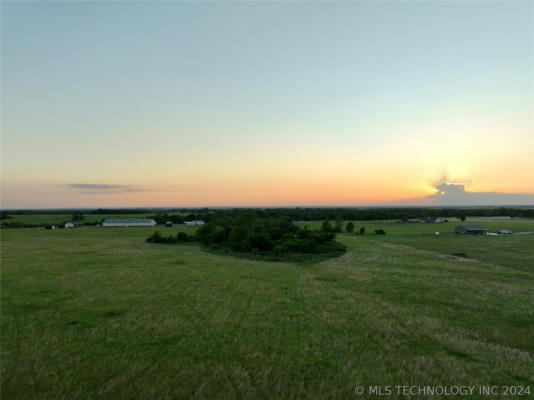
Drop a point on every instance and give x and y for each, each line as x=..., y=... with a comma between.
x=470, y=230
x=126, y=222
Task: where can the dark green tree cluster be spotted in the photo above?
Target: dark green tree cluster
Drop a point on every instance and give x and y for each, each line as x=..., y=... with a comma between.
x=277, y=235
x=308, y=214
x=181, y=237
x=264, y=236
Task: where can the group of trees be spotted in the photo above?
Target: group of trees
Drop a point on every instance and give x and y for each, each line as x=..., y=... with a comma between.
x=338, y=215
x=248, y=233
x=311, y=214
x=349, y=228
x=181, y=237
x=367, y=214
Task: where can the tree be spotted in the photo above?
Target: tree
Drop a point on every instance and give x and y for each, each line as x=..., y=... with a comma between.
x=362, y=230
x=77, y=216
x=339, y=225
x=350, y=227
x=462, y=217
x=326, y=226
x=210, y=233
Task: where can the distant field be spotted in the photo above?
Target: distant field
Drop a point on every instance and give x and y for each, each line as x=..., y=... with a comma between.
x=55, y=219
x=98, y=313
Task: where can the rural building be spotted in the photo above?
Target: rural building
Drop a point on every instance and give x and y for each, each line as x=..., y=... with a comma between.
x=470, y=230
x=196, y=222
x=168, y=224
x=431, y=220
x=69, y=225
x=128, y=222
x=73, y=224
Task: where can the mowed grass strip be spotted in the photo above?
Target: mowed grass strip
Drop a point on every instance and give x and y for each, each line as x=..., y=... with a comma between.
x=99, y=313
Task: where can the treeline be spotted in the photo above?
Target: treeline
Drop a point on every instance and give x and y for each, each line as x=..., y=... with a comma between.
x=261, y=236
x=218, y=216
x=299, y=214
x=370, y=214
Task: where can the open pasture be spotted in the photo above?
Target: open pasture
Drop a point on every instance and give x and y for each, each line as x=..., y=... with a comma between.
x=98, y=313
x=56, y=219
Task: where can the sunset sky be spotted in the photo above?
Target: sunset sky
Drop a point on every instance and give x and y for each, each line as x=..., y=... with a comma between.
x=126, y=104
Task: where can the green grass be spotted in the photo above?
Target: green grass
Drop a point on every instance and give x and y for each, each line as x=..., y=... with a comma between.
x=98, y=313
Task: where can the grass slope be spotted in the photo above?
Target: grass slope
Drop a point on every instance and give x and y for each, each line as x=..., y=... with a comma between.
x=97, y=313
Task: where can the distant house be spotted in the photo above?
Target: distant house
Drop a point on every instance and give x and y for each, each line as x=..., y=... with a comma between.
x=196, y=222
x=470, y=230
x=127, y=222
x=168, y=224
x=431, y=220
x=69, y=225
x=73, y=224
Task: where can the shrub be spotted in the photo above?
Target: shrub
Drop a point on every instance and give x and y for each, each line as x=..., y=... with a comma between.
x=183, y=237
x=155, y=238
x=380, y=232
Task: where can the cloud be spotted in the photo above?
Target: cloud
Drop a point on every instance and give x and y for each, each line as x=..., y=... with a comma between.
x=94, y=186
x=454, y=194
x=100, y=188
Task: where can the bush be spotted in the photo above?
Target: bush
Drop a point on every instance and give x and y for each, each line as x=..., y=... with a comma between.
x=350, y=227
x=155, y=238
x=380, y=232
x=362, y=230
x=183, y=237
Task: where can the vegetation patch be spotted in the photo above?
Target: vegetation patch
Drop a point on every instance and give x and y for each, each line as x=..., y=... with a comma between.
x=273, y=239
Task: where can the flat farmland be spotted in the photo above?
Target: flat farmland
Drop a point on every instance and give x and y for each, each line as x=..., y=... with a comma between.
x=57, y=219
x=97, y=313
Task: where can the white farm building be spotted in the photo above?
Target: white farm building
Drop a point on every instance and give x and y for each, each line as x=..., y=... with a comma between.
x=129, y=222
x=196, y=222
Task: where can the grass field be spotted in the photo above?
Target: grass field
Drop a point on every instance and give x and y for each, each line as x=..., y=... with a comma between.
x=97, y=313
x=56, y=219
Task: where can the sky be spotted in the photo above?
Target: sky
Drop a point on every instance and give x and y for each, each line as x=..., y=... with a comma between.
x=129, y=104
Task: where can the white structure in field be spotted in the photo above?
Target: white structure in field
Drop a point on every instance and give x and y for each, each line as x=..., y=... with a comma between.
x=196, y=222
x=129, y=222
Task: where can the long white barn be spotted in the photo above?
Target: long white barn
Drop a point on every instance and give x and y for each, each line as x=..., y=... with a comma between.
x=129, y=222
